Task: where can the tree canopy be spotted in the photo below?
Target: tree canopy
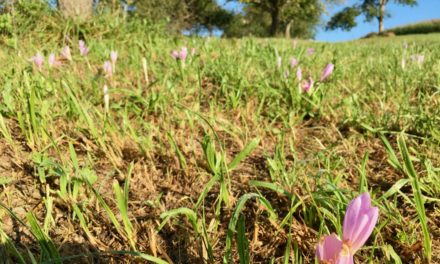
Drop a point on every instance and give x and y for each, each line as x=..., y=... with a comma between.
x=371, y=9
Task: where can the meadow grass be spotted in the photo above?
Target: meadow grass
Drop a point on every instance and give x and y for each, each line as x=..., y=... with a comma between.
x=218, y=159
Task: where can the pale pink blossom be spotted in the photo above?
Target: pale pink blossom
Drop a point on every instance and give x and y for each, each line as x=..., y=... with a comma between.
x=293, y=62
x=52, y=61
x=359, y=222
x=83, y=50
x=183, y=53
x=299, y=74
x=38, y=60
x=66, y=53
x=106, y=98
x=108, y=69
x=307, y=85
x=327, y=71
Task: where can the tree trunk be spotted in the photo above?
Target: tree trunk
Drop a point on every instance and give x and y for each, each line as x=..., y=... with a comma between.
x=288, y=27
x=76, y=8
x=275, y=16
x=381, y=16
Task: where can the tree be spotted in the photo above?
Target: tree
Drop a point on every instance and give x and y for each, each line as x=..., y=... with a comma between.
x=372, y=9
x=193, y=15
x=298, y=17
x=76, y=8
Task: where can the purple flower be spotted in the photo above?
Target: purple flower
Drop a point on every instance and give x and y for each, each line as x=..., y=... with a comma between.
x=113, y=56
x=66, y=53
x=359, y=222
x=52, y=61
x=299, y=74
x=38, y=60
x=307, y=85
x=175, y=54
x=329, y=248
x=83, y=50
x=108, y=69
x=183, y=53
x=327, y=71
x=310, y=51
x=293, y=62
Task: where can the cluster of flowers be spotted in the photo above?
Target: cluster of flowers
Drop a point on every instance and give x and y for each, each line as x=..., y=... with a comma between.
x=182, y=54
x=53, y=61
x=306, y=85
x=66, y=55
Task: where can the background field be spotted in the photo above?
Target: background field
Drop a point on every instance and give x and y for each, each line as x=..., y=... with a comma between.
x=217, y=159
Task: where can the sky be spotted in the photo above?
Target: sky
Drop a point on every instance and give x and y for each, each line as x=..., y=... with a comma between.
x=400, y=15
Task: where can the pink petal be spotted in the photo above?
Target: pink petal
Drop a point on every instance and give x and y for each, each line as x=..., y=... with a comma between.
x=327, y=71
x=351, y=217
x=113, y=56
x=183, y=53
x=345, y=259
x=365, y=230
x=359, y=221
x=308, y=85
x=175, y=54
x=293, y=62
x=329, y=248
x=299, y=74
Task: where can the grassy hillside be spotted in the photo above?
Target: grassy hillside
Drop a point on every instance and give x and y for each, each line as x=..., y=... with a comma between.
x=425, y=27
x=219, y=155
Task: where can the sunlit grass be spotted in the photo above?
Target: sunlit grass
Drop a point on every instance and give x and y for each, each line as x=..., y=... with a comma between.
x=220, y=158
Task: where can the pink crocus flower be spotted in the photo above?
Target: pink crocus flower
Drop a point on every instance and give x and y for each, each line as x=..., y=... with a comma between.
x=299, y=74
x=38, y=60
x=113, y=56
x=108, y=69
x=307, y=85
x=293, y=62
x=183, y=53
x=175, y=54
x=66, y=53
x=83, y=50
x=310, y=51
x=327, y=71
x=359, y=222
x=52, y=61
